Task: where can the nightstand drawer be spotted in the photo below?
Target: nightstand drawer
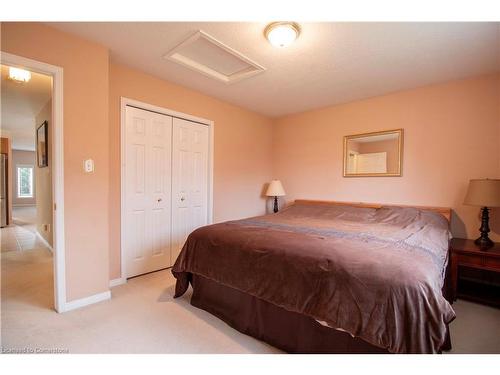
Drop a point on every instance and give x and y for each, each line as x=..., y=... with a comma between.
x=470, y=260
x=492, y=263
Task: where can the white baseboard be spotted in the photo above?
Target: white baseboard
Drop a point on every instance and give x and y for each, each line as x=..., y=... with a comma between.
x=44, y=241
x=116, y=282
x=76, y=304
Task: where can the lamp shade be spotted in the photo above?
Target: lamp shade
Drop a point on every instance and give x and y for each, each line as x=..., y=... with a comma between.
x=275, y=189
x=484, y=193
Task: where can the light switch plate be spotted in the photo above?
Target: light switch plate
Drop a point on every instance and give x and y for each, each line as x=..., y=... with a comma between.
x=88, y=166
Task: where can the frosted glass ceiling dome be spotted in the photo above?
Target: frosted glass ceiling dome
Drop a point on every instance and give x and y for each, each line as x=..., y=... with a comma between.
x=282, y=34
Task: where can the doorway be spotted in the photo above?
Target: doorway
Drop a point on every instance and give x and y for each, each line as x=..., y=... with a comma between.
x=32, y=231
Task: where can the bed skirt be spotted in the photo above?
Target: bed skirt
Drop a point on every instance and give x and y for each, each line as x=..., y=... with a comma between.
x=289, y=331
x=286, y=330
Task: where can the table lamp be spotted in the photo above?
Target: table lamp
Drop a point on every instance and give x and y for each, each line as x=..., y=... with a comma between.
x=275, y=189
x=484, y=193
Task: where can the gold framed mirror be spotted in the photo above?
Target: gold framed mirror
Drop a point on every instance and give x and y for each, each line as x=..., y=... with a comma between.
x=375, y=154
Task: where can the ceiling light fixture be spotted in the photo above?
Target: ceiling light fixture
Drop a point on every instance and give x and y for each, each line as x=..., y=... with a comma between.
x=19, y=75
x=282, y=34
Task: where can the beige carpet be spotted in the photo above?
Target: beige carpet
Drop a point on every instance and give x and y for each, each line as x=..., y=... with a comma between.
x=142, y=317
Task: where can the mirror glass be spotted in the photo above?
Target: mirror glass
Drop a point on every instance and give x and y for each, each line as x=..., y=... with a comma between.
x=373, y=154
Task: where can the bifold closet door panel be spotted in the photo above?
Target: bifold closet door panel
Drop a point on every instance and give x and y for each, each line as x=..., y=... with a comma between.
x=189, y=180
x=148, y=142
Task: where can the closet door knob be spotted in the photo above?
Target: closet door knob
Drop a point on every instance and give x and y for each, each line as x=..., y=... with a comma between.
x=159, y=200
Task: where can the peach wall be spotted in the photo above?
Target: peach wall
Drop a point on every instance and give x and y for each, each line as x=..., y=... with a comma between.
x=452, y=134
x=242, y=144
x=44, y=201
x=86, y=132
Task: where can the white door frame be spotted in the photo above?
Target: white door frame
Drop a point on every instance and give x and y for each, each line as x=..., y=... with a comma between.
x=169, y=112
x=56, y=72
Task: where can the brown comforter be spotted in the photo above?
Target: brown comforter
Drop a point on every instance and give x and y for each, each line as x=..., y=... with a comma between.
x=375, y=273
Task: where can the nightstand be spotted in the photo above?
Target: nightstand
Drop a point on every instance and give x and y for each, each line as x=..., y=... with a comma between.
x=464, y=253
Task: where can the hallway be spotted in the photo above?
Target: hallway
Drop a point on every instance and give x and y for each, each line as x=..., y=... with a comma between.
x=26, y=271
x=21, y=236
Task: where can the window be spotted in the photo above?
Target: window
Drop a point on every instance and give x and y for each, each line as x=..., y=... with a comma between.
x=25, y=181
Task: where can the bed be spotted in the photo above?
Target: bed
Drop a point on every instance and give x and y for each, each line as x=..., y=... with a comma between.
x=327, y=277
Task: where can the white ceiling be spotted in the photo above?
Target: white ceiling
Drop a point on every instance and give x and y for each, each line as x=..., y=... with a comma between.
x=330, y=63
x=20, y=104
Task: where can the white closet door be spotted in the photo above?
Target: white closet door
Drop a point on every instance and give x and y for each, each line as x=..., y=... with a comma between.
x=189, y=180
x=148, y=140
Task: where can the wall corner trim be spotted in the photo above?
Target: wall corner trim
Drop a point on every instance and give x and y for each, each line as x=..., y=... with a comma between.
x=76, y=304
x=116, y=282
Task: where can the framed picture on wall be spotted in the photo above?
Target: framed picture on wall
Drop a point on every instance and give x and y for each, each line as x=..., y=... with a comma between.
x=42, y=146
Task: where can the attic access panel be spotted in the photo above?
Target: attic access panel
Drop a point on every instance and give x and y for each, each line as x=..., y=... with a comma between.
x=205, y=54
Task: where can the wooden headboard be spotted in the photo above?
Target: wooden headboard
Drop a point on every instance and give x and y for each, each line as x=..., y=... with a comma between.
x=445, y=211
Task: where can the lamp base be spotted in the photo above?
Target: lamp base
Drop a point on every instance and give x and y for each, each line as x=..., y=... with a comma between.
x=484, y=241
